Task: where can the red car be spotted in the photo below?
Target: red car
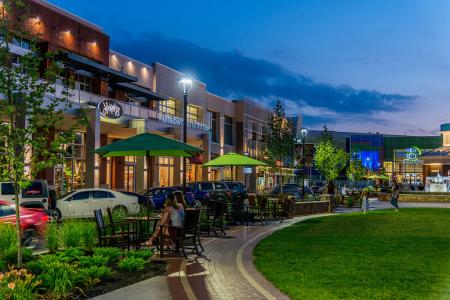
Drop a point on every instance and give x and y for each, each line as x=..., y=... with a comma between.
x=32, y=221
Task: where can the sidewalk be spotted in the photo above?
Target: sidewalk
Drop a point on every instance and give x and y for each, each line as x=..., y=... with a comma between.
x=225, y=271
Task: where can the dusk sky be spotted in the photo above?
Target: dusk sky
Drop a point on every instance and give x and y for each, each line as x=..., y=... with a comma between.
x=352, y=65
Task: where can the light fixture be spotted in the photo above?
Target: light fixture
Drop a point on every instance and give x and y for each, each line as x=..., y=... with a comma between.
x=186, y=85
x=304, y=132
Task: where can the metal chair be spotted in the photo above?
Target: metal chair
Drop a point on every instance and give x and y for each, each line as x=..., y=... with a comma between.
x=115, y=235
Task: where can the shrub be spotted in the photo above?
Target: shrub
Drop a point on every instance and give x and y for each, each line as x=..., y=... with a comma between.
x=38, y=265
x=78, y=233
x=132, y=264
x=7, y=237
x=144, y=254
x=93, y=261
x=112, y=253
x=10, y=255
x=2, y=265
x=59, y=278
x=92, y=275
x=71, y=255
x=18, y=284
x=51, y=237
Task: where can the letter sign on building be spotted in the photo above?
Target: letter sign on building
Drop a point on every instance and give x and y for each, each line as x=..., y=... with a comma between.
x=110, y=109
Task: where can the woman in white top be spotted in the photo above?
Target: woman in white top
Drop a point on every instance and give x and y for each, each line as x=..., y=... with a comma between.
x=173, y=215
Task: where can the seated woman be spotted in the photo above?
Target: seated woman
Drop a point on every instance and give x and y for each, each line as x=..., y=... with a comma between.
x=173, y=215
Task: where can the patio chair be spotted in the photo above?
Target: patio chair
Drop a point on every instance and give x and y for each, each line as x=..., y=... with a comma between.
x=185, y=237
x=112, y=235
x=130, y=226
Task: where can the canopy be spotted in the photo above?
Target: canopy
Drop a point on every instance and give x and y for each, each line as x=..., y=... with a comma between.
x=148, y=144
x=233, y=159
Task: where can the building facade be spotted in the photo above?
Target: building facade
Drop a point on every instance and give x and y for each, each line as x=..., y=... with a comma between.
x=148, y=98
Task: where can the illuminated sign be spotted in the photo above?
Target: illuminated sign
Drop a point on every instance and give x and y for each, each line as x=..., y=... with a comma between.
x=110, y=109
x=412, y=156
x=178, y=121
x=247, y=170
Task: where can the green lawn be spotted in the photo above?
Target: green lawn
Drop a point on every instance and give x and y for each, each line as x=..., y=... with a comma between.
x=380, y=255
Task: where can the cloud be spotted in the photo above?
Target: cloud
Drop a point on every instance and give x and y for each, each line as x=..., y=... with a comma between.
x=230, y=73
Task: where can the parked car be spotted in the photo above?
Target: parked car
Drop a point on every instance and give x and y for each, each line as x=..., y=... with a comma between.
x=238, y=189
x=142, y=199
x=32, y=221
x=37, y=195
x=289, y=189
x=206, y=190
x=159, y=195
x=82, y=203
x=318, y=187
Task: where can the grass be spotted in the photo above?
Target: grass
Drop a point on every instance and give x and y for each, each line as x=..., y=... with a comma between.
x=380, y=255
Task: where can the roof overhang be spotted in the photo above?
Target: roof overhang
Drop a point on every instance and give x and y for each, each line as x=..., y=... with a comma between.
x=139, y=91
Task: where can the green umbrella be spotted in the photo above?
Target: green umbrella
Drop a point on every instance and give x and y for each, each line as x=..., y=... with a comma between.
x=148, y=144
x=233, y=159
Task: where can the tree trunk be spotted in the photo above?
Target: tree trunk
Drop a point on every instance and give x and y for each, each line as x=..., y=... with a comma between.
x=18, y=231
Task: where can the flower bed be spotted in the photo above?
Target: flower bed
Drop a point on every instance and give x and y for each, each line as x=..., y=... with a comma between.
x=80, y=271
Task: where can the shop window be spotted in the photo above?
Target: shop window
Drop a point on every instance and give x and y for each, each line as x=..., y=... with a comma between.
x=228, y=128
x=83, y=83
x=193, y=113
x=21, y=42
x=168, y=106
x=166, y=173
x=213, y=122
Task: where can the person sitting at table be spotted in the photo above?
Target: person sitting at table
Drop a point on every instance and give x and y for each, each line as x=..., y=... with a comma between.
x=173, y=215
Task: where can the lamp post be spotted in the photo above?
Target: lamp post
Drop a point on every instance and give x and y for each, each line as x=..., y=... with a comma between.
x=304, y=133
x=186, y=85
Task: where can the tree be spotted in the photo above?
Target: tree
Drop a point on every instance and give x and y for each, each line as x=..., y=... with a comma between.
x=329, y=160
x=279, y=141
x=355, y=169
x=31, y=112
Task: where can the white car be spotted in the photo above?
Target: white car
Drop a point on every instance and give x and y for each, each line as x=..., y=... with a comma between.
x=82, y=203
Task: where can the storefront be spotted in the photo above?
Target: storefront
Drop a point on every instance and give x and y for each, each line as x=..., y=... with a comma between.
x=407, y=166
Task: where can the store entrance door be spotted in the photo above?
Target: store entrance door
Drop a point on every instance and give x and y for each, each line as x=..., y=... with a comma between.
x=129, y=177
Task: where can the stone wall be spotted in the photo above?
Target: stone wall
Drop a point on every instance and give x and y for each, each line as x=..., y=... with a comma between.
x=311, y=207
x=419, y=197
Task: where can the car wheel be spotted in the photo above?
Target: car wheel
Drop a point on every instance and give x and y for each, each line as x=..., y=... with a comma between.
x=120, y=210
x=56, y=215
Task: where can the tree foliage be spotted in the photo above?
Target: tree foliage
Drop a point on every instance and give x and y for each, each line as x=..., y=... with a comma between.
x=32, y=102
x=355, y=169
x=329, y=160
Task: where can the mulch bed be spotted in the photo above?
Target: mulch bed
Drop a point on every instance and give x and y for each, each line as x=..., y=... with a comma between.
x=120, y=279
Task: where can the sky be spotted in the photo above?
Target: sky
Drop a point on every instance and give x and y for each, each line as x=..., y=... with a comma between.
x=352, y=65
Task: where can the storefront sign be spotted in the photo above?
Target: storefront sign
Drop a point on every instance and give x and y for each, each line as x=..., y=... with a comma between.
x=178, y=121
x=412, y=156
x=110, y=109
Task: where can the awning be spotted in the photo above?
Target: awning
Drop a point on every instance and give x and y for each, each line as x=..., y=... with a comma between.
x=139, y=91
x=86, y=64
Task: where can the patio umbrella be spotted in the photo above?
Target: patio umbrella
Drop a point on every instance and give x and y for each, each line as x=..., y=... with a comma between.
x=148, y=144
x=234, y=160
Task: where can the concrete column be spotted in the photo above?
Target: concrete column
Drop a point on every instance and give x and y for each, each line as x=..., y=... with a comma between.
x=92, y=143
x=140, y=176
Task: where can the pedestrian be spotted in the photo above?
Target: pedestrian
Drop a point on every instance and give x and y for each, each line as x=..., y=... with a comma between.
x=365, y=199
x=395, y=194
x=344, y=192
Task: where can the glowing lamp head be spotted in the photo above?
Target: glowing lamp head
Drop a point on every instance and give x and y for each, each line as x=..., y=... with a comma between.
x=304, y=132
x=185, y=85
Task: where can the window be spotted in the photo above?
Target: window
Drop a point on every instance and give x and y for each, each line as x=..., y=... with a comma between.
x=102, y=195
x=220, y=186
x=6, y=210
x=193, y=113
x=207, y=186
x=81, y=196
x=228, y=130
x=168, y=107
x=84, y=83
x=21, y=42
x=213, y=122
x=7, y=189
x=254, y=131
x=36, y=189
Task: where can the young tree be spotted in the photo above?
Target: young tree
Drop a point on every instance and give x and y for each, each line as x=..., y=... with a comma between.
x=31, y=112
x=329, y=160
x=279, y=141
x=355, y=169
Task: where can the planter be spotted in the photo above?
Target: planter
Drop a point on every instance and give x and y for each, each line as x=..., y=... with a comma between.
x=384, y=196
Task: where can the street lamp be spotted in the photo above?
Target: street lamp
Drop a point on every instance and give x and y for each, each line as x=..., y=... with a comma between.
x=304, y=133
x=186, y=85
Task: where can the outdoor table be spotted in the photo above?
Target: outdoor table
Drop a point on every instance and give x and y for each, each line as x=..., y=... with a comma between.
x=140, y=232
